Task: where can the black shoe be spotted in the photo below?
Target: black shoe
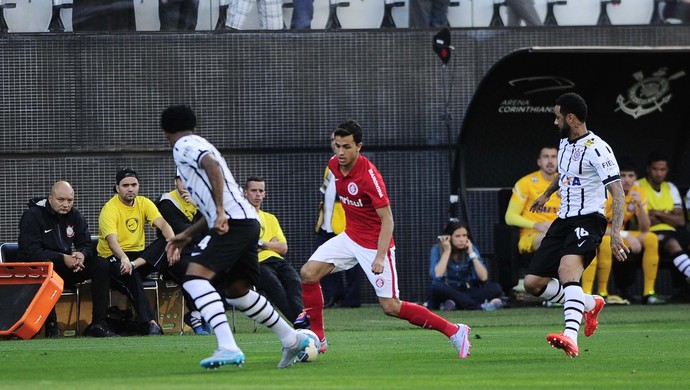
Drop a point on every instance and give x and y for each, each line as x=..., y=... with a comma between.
x=99, y=329
x=52, y=330
x=154, y=329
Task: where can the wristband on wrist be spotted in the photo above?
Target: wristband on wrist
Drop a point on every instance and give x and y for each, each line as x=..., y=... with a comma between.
x=473, y=256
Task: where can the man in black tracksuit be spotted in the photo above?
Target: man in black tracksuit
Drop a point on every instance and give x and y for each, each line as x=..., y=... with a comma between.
x=53, y=230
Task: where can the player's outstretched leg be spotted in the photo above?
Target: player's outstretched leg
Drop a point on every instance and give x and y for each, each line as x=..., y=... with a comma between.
x=213, y=311
x=256, y=307
x=458, y=334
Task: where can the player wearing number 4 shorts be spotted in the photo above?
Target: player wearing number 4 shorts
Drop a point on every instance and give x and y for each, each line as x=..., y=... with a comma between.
x=587, y=168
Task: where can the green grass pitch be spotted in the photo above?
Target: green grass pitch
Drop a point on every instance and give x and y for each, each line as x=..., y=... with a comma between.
x=636, y=347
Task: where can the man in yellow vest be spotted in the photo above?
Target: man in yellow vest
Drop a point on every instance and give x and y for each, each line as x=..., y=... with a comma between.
x=640, y=240
x=667, y=220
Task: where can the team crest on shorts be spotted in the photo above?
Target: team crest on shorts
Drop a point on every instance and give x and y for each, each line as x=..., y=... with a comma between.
x=379, y=282
x=352, y=188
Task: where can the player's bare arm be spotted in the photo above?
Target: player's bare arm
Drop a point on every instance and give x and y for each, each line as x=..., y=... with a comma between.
x=168, y=233
x=674, y=218
x=385, y=236
x=176, y=243
x=618, y=247
x=215, y=176
x=539, y=203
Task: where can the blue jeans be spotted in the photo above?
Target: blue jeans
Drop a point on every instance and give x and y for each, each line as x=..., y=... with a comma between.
x=465, y=299
x=302, y=14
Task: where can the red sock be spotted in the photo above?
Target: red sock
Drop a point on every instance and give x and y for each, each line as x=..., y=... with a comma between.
x=312, y=297
x=424, y=318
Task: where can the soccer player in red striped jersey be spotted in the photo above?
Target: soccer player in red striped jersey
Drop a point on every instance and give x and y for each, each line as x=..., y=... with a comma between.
x=367, y=240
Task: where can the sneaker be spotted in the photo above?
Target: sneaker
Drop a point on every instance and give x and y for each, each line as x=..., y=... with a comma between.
x=52, y=330
x=460, y=340
x=99, y=329
x=154, y=329
x=492, y=305
x=616, y=300
x=302, y=321
x=590, y=317
x=324, y=345
x=223, y=356
x=563, y=342
x=290, y=353
x=653, y=299
x=447, y=305
x=198, y=325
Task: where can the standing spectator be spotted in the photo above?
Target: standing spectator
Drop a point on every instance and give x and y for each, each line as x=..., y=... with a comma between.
x=270, y=14
x=667, y=221
x=367, y=239
x=121, y=238
x=178, y=15
x=53, y=230
x=103, y=15
x=279, y=281
x=229, y=251
x=640, y=240
x=429, y=13
x=458, y=274
x=341, y=288
x=587, y=168
x=302, y=14
x=522, y=10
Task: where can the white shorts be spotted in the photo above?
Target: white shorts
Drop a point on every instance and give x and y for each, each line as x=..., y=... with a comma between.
x=344, y=254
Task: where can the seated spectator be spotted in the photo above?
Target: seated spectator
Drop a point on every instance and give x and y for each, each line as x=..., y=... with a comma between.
x=668, y=222
x=178, y=15
x=53, y=230
x=279, y=281
x=180, y=212
x=533, y=226
x=121, y=237
x=639, y=240
x=459, y=275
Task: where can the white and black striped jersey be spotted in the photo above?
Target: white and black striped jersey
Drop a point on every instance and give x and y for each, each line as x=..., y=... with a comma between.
x=188, y=152
x=585, y=166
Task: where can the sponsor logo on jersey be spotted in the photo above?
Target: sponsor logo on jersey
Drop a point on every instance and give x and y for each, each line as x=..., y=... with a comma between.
x=376, y=183
x=348, y=201
x=571, y=181
x=132, y=224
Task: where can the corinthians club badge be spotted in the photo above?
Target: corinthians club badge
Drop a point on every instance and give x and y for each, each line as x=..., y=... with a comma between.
x=648, y=94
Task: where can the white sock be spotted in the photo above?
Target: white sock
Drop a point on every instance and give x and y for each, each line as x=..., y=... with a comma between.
x=257, y=307
x=209, y=303
x=682, y=262
x=589, y=302
x=573, y=308
x=553, y=292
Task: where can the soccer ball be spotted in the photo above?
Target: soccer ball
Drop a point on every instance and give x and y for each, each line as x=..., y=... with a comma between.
x=312, y=351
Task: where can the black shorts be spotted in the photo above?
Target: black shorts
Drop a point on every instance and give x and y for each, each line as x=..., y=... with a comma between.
x=233, y=255
x=571, y=236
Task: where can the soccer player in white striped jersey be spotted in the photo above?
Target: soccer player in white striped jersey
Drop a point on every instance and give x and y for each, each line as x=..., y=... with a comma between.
x=587, y=168
x=229, y=251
